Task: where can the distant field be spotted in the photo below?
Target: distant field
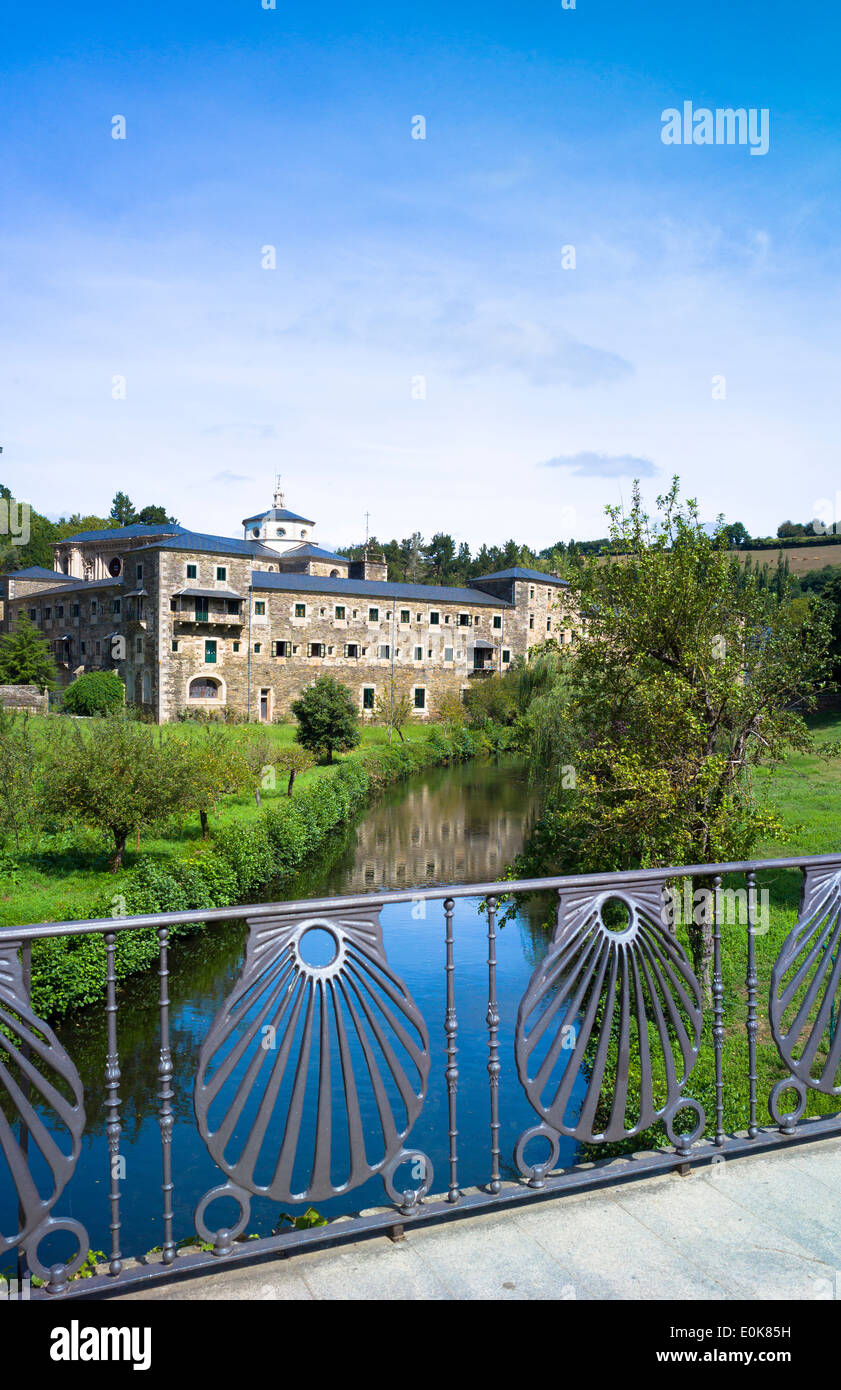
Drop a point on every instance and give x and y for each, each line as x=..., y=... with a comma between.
x=801, y=558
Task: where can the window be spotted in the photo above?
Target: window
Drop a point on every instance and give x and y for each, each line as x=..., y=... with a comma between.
x=531, y=620
x=174, y=646
x=138, y=645
x=98, y=648
x=420, y=697
x=191, y=571
x=497, y=621
x=210, y=650
x=260, y=608
x=138, y=572
x=506, y=656
x=434, y=619
x=340, y=613
x=60, y=610
x=418, y=653
x=315, y=649
x=283, y=648
x=232, y=606
x=464, y=619
x=258, y=647
x=367, y=697
x=221, y=572
x=116, y=606
x=202, y=610
x=373, y=615
x=300, y=610
x=93, y=607
x=75, y=610
x=548, y=624
x=33, y=614
x=384, y=652
x=531, y=592
x=236, y=646
x=203, y=688
x=405, y=615
x=352, y=649
x=48, y=613
x=448, y=653
x=82, y=648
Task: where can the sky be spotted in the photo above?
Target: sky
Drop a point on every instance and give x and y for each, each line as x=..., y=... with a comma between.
x=424, y=349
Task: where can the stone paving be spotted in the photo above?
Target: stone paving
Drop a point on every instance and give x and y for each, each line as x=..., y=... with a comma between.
x=759, y=1228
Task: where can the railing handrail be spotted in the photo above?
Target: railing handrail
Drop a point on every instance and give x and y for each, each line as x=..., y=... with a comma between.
x=434, y=892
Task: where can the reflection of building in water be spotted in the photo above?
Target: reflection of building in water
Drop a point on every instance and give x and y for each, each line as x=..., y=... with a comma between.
x=435, y=839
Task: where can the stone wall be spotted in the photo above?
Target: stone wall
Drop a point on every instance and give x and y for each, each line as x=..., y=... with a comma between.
x=24, y=697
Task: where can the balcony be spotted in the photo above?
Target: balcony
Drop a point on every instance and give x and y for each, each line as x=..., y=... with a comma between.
x=207, y=608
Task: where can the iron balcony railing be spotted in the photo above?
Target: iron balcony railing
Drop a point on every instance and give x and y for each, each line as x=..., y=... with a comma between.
x=605, y=1041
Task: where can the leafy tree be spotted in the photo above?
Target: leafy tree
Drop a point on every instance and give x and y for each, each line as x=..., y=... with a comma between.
x=327, y=718
x=122, y=510
x=26, y=657
x=394, y=711
x=154, y=516
x=38, y=549
x=210, y=769
x=450, y=710
x=94, y=692
x=115, y=775
x=688, y=676
x=736, y=533
x=256, y=756
x=19, y=776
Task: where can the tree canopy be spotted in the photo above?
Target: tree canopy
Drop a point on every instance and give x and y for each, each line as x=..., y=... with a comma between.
x=26, y=657
x=327, y=718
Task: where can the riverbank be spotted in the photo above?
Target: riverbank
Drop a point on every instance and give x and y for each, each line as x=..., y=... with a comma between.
x=232, y=865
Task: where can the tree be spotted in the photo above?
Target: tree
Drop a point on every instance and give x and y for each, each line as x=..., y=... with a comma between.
x=115, y=775
x=256, y=756
x=26, y=658
x=94, y=692
x=210, y=769
x=154, y=516
x=394, y=711
x=122, y=510
x=19, y=776
x=327, y=718
x=294, y=760
x=688, y=676
x=736, y=533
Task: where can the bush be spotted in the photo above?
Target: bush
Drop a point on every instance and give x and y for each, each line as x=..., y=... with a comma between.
x=96, y=692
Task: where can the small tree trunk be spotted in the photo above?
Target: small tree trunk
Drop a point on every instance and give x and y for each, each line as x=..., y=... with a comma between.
x=120, y=838
x=292, y=775
x=203, y=819
x=329, y=755
x=257, y=796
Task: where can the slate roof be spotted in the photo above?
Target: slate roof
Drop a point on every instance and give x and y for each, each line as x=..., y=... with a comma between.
x=382, y=589
x=125, y=533
x=278, y=514
x=36, y=572
x=213, y=545
x=315, y=552
x=519, y=573
x=74, y=586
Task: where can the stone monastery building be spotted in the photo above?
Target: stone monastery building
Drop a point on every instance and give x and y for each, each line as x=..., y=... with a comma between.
x=191, y=621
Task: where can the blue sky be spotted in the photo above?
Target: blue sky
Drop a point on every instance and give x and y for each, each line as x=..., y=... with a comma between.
x=547, y=388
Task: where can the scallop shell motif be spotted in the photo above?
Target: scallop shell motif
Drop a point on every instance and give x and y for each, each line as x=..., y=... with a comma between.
x=40, y=1086
x=311, y=1076
x=600, y=1000
x=805, y=1004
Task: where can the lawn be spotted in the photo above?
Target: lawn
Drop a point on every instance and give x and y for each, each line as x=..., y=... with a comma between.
x=67, y=870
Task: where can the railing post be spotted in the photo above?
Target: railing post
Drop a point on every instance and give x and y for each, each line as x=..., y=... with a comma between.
x=450, y=1030
x=112, y=1103
x=718, y=1013
x=493, y=1046
x=165, y=1095
x=752, y=980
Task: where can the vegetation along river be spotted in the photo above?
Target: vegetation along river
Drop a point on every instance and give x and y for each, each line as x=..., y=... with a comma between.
x=450, y=825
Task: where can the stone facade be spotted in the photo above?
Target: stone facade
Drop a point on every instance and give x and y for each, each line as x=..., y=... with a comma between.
x=24, y=698
x=197, y=622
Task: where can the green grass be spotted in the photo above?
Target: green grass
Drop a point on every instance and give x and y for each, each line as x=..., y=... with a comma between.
x=64, y=872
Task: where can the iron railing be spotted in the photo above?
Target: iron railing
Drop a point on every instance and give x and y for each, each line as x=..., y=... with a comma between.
x=606, y=1038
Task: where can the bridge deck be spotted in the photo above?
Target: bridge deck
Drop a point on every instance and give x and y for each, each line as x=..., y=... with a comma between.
x=760, y=1228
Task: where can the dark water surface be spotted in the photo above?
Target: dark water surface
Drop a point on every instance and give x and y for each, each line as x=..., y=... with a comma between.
x=451, y=825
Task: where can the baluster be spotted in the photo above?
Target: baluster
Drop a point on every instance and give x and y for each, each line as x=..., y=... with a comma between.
x=752, y=981
x=113, y=1128
x=26, y=981
x=450, y=1029
x=165, y=1095
x=493, y=1046
x=718, y=1013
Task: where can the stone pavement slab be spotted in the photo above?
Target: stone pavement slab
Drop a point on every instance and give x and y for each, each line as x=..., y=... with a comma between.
x=761, y=1227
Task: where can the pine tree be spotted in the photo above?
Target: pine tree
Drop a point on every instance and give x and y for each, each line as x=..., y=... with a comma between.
x=122, y=510
x=25, y=657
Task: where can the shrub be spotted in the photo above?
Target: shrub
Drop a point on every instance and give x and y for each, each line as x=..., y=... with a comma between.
x=95, y=692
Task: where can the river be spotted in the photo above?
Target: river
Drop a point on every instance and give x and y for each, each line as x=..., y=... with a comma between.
x=450, y=825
